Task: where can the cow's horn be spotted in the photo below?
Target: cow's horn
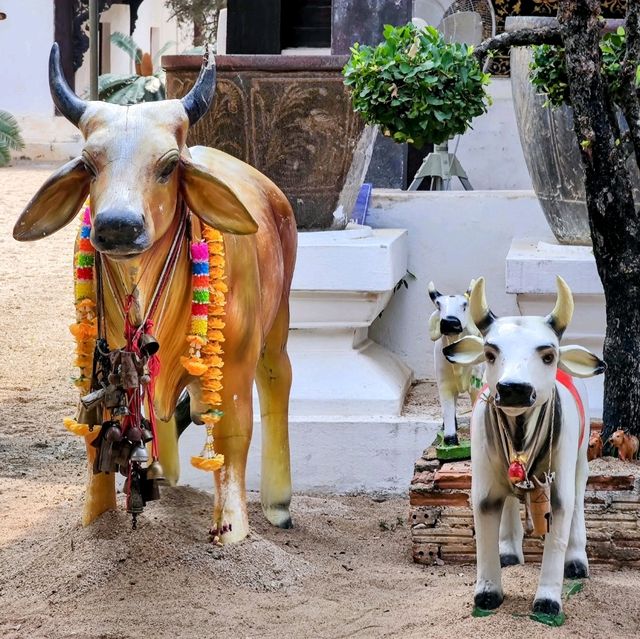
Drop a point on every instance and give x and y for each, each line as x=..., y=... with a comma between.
x=433, y=292
x=197, y=102
x=562, y=313
x=480, y=312
x=66, y=101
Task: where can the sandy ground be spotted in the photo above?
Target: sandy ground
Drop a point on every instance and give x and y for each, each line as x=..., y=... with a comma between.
x=344, y=571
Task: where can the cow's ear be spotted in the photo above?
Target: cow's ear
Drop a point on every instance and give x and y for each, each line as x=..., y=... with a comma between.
x=56, y=203
x=215, y=202
x=579, y=362
x=469, y=350
x=434, y=326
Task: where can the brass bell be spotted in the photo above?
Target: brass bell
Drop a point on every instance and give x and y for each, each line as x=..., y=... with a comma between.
x=155, y=471
x=94, y=399
x=139, y=454
x=113, y=433
x=148, y=345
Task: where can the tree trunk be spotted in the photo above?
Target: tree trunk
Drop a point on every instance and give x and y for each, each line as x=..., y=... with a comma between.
x=615, y=224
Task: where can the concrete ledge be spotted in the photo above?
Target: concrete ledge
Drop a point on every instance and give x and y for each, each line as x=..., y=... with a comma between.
x=335, y=455
x=532, y=266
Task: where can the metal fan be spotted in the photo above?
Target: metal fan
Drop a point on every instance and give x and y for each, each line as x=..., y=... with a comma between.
x=464, y=21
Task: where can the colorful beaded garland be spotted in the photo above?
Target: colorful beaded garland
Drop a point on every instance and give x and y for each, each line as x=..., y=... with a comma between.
x=85, y=328
x=206, y=337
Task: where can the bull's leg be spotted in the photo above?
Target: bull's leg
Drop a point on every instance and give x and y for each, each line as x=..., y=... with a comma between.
x=448, y=400
x=576, y=564
x=232, y=438
x=168, y=450
x=101, y=490
x=555, y=544
x=511, y=533
x=486, y=516
x=274, y=384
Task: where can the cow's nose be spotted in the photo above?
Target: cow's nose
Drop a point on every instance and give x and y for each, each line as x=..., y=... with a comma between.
x=119, y=231
x=515, y=394
x=450, y=325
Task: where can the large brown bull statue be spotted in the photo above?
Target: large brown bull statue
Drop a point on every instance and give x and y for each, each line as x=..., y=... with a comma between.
x=142, y=179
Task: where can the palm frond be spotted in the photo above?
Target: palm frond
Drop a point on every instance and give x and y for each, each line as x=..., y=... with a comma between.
x=160, y=52
x=5, y=156
x=10, y=132
x=128, y=45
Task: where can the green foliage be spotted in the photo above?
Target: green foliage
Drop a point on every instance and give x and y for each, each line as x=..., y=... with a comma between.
x=548, y=72
x=133, y=88
x=10, y=138
x=415, y=86
x=201, y=14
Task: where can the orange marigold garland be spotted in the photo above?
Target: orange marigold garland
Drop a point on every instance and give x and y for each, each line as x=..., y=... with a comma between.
x=206, y=337
x=85, y=328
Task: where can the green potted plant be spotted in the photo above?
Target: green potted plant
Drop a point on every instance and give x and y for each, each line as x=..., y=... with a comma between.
x=145, y=85
x=10, y=138
x=418, y=88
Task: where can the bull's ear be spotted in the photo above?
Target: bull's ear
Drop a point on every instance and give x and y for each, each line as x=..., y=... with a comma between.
x=55, y=204
x=579, y=362
x=434, y=326
x=215, y=202
x=468, y=350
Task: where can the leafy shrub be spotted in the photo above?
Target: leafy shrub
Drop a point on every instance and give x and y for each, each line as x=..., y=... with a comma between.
x=417, y=87
x=548, y=72
x=10, y=138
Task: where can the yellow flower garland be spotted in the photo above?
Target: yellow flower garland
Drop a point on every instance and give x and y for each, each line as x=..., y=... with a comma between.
x=205, y=345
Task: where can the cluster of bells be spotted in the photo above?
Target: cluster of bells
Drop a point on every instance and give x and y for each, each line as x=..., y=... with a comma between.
x=122, y=441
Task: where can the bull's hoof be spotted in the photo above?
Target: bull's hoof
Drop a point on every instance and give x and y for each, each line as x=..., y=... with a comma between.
x=509, y=560
x=546, y=606
x=451, y=440
x=278, y=515
x=488, y=599
x=575, y=569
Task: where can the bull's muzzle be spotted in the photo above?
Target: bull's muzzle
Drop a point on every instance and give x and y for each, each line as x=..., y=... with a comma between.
x=450, y=325
x=515, y=395
x=119, y=233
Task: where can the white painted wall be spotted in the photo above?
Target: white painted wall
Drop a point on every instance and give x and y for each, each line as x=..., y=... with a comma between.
x=453, y=237
x=25, y=41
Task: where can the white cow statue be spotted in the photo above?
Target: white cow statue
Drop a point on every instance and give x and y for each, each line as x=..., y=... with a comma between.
x=527, y=430
x=448, y=323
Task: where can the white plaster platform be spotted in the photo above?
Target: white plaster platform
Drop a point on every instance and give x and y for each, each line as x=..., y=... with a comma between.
x=347, y=430
x=531, y=269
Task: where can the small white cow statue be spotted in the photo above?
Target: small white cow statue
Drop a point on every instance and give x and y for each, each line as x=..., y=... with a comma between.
x=448, y=323
x=527, y=431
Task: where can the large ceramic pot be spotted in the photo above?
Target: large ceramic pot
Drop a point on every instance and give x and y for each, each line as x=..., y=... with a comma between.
x=550, y=147
x=291, y=118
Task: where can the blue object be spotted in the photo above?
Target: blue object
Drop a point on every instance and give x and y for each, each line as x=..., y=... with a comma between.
x=359, y=213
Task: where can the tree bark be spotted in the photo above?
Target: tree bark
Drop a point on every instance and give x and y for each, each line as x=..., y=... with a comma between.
x=614, y=222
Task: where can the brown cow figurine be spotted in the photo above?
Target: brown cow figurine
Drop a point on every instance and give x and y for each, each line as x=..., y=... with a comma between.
x=144, y=182
x=626, y=444
x=594, y=450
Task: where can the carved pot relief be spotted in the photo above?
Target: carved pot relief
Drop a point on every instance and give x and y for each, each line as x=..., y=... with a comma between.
x=288, y=116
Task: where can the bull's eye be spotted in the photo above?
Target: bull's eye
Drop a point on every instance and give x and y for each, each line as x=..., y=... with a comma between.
x=464, y=306
x=490, y=357
x=167, y=169
x=548, y=358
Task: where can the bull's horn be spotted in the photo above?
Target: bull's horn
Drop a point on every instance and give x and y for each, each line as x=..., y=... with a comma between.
x=66, y=101
x=562, y=313
x=480, y=312
x=471, y=285
x=433, y=292
x=197, y=102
